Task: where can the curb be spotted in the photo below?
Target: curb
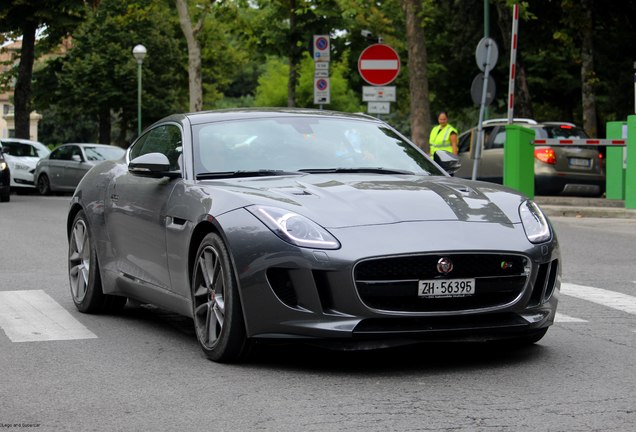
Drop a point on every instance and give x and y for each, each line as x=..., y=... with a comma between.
x=588, y=212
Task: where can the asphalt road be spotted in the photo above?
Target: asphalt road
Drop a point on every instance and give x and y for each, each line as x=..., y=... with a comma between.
x=143, y=370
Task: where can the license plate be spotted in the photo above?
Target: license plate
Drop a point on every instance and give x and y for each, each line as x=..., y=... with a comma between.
x=580, y=162
x=437, y=288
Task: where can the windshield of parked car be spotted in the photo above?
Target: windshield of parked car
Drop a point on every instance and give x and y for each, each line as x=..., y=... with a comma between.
x=564, y=132
x=305, y=144
x=94, y=154
x=19, y=149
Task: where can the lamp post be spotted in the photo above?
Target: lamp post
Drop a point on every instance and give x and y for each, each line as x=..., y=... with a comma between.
x=139, y=52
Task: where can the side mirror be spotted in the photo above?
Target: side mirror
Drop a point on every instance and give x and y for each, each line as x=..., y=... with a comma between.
x=155, y=165
x=76, y=158
x=448, y=161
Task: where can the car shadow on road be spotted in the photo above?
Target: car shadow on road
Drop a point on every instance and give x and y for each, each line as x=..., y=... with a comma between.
x=429, y=356
x=294, y=356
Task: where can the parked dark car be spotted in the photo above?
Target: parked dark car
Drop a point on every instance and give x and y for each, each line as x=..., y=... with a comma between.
x=62, y=170
x=5, y=178
x=559, y=170
x=312, y=226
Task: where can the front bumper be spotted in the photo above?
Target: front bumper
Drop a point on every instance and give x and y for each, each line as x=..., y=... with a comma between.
x=305, y=294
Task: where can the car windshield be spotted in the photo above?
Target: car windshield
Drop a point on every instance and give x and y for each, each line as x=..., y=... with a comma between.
x=306, y=144
x=564, y=132
x=103, y=153
x=19, y=149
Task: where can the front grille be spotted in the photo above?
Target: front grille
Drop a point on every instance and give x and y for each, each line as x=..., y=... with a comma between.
x=392, y=283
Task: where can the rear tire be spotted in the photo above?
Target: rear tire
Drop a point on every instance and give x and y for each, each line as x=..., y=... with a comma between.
x=83, y=269
x=44, y=185
x=218, y=317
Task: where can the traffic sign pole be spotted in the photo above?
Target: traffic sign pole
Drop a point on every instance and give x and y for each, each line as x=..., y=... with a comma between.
x=486, y=57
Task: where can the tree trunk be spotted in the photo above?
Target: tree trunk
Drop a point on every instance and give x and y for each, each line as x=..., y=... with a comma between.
x=522, y=99
x=104, y=125
x=22, y=92
x=418, y=74
x=293, y=57
x=588, y=75
x=190, y=32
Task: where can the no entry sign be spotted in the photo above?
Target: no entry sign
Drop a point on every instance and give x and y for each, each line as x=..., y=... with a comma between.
x=379, y=64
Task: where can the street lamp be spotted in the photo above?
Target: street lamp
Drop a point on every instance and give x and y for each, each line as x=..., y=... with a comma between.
x=139, y=52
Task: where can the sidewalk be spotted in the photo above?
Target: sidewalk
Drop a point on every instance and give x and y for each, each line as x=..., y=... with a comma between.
x=584, y=207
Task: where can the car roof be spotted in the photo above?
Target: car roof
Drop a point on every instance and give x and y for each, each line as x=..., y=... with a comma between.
x=21, y=141
x=253, y=113
x=528, y=122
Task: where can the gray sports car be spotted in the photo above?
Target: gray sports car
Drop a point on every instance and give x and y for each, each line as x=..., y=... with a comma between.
x=316, y=226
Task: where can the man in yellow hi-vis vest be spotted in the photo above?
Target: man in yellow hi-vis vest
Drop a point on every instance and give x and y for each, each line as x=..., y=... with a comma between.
x=443, y=136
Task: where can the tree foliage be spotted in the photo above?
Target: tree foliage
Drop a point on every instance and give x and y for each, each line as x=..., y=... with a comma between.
x=98, y=77
x=24, y=18
x=258, y=52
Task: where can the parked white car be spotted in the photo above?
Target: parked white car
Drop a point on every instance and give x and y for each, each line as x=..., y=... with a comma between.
x=22, y=156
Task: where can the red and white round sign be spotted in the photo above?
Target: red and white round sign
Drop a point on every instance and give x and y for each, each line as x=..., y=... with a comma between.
x=379, y=64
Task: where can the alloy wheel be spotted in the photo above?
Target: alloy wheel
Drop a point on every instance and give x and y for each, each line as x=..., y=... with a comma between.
x=209, y=297
x=79, y=260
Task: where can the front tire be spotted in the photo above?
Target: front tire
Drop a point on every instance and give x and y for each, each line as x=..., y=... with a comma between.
x=44, y=185
x=218, y=317
x=83, y=271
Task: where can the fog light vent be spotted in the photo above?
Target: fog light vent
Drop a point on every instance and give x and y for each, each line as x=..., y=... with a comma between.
x=281, y=284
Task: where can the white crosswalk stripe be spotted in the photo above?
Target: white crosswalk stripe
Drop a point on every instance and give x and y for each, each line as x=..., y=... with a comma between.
x=33, y=316
x=563, y=318
x=612, y=299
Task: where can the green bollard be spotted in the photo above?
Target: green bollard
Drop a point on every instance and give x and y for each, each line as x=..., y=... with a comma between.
x=614, y=171
x=630, y=171
x=519, y=159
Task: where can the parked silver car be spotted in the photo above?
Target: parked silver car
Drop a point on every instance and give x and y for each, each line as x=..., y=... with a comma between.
x=22, y=156
x=62, y=170
x=558, y=170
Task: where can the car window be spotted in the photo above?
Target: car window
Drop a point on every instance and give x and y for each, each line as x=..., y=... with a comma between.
x=303, y=143
x=64, y=153
x=164, y=139
x=564, y=132
x=497, y=141
x=101, y=153
x=465, y=140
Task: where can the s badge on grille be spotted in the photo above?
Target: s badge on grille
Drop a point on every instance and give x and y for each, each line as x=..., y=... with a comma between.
x=444, y=265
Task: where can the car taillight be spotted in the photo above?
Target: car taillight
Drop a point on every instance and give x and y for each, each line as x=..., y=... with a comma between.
x=546, y=155
x=600, y=155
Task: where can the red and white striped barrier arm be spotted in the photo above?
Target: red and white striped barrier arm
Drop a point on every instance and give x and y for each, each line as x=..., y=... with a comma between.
x=580, y=142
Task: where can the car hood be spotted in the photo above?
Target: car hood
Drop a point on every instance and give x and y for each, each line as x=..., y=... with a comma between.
x=342, y=200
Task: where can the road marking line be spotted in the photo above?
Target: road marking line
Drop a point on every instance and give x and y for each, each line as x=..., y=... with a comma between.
x=31, y=316
x=562, y=318
x=612, y=299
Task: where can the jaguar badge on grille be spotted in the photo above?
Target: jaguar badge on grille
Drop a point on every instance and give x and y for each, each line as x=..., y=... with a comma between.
x=444, y=265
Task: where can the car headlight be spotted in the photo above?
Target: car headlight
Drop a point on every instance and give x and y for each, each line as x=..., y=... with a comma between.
x=534, y=222
x=3, y=166
x=294, y=228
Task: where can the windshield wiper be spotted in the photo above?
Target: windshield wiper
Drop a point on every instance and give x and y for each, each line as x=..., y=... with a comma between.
x=370, y=170
x=243, y=173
